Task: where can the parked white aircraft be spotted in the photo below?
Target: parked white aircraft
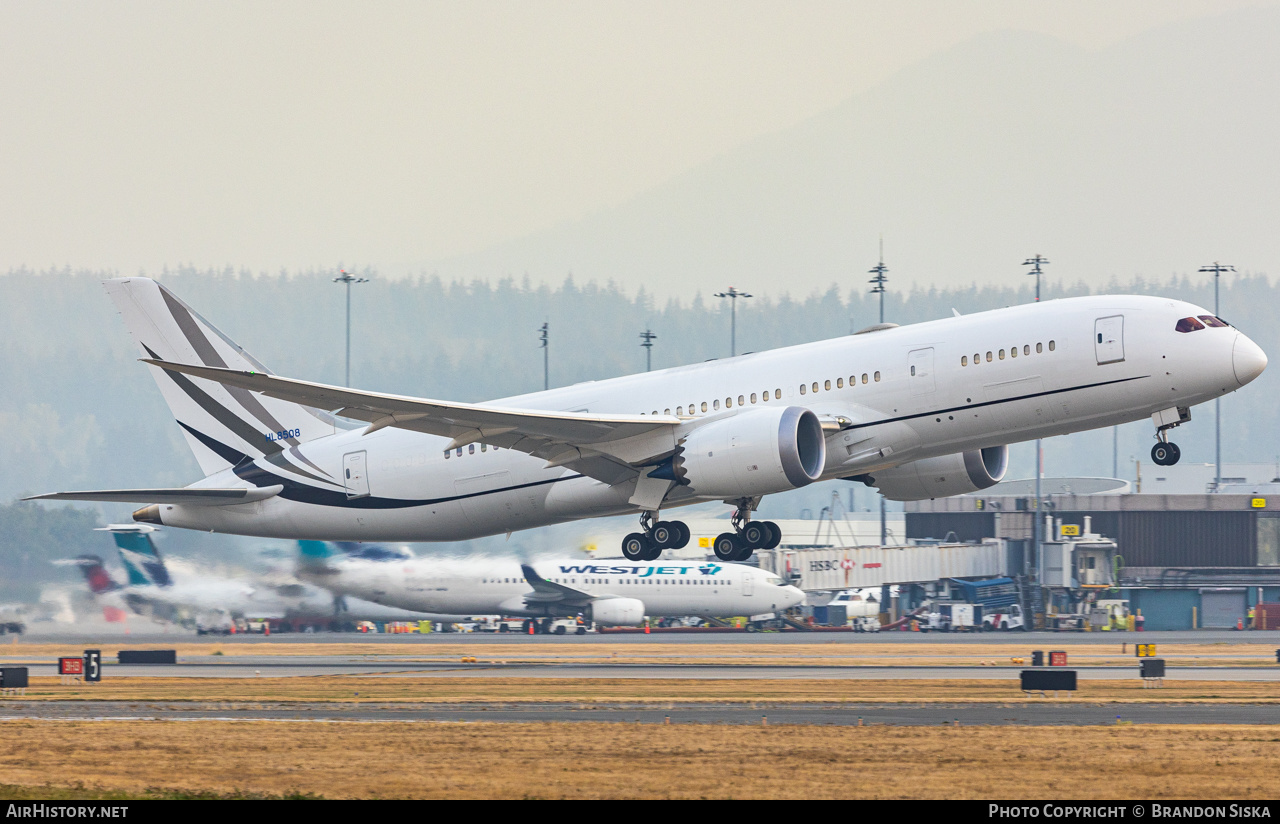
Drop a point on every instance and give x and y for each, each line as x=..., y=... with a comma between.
x=212, y=601
x=609, y=592
x=919, y=411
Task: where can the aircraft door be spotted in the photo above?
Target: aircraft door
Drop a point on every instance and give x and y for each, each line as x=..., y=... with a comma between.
x=920, y=371
x=354, y=476
x=748, y=585
x=1108, y=339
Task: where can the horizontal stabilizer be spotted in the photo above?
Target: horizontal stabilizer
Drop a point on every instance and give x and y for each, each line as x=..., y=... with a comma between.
x=192, y=497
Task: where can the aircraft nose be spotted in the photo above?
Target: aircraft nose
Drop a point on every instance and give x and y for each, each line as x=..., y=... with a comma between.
x=1248, y=359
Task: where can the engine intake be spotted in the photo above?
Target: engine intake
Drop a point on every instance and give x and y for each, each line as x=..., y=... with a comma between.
x=944, y=476
x=756, y=452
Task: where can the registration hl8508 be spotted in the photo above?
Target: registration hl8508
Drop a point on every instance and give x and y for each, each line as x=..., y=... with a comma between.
x=1128, y=811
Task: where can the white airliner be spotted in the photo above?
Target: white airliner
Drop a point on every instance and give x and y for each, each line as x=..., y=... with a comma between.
x=212, y=601
x=919, y=411
x=611, y=593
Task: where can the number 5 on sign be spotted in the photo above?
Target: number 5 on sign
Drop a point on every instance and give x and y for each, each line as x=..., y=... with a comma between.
x=93, y=665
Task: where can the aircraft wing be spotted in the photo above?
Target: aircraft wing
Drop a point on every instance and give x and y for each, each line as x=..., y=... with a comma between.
x=606, y=447
x=545, y=591
x=205, y=496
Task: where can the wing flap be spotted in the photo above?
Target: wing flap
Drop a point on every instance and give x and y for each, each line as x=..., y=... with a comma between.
x=208, y=496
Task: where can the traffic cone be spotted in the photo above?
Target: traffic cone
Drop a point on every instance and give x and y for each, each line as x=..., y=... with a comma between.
x=531, y=628
x=646, y=628
x=1239, y=623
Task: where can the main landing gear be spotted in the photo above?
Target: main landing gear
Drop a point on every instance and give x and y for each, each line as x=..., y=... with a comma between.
x=657, y=536
x=747, y=537
x=1165, y=452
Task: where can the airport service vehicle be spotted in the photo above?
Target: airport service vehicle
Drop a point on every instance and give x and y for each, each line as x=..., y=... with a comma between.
x=952, y=617
x=606, y=592
x=919, y=411
x=1011, y=618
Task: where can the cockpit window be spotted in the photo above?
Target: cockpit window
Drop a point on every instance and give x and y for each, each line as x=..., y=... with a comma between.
x=775, y=580
x=1210, y=320
x=1189, y=325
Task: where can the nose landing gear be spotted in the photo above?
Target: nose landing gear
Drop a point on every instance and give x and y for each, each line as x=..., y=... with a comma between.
x=748, y=535
x=1165, y=452
x=657, y=536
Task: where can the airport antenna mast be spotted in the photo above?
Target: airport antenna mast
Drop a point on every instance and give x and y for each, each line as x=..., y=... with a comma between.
x=880, y=276
x=881, y=273
x=648, y=338
x=733, y=295
x=1217, y=269
x=546, y=360
x=348, y=278
x=1035, y=264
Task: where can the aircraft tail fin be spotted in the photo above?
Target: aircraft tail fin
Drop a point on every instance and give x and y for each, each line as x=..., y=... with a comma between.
x=95, y=574
x=314, y=556
x=138, y=552
x=223, y=425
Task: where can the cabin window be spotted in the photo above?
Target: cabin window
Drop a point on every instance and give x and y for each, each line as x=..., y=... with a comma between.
x=715, y=404
x=704, y=406
x=913, y=371
x=1052, y=346
x=471, y=449
x=667, y=411
x=459, y=452
x=1026, y=350
x=853, y=381
x=679, y=410
x=864, y=377
x=446, y=454
x=1039, y=348
x=803, y=389
x=988, y=357
x=839, y=383
x=484, y=447
x=877, y=377
x=977, y=358
x=1184, y=325
x=655, y=411
x=753, y=397
x=1013, y=352
x=827, y=385
x=815, y=386
x=728, y=403
x=1001, y=354
x=964, y=360
x=740, y=400
x=1215, y=322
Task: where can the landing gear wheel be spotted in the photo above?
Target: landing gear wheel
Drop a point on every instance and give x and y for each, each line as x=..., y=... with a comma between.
x=744, y=553
x=1165, y=454
x=665, y=535
x=654, y=553
x=755, y=534
x=635, y=547
x=775, y=535
x=685, y=535
x=727, y=546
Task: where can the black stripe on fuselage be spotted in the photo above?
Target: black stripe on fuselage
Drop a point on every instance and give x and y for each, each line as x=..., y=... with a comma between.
x=981, y=404
x=247, y=470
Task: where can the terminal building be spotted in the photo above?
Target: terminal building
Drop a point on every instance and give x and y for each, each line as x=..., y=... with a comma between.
x=1182, y=561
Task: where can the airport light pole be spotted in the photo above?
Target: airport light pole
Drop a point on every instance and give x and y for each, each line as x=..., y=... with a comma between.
x=348, y=279
x=733, y=295
x=1036, y=263
x=880, y=276
x=648, y=338
x=546, y=360
x=1217, y=269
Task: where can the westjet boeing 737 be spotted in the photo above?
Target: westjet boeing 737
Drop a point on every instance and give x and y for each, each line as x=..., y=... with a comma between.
x=920, y=411
x=610, y=593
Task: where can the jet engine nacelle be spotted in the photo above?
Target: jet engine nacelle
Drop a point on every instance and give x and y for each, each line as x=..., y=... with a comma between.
x=618, y=612
x=944, y=476
x=756, y=452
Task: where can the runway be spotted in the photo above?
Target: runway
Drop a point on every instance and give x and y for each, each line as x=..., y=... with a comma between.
x=1049, y=712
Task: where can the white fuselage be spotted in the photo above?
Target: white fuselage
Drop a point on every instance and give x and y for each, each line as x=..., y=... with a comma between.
x=913, y=392
x=498, y=587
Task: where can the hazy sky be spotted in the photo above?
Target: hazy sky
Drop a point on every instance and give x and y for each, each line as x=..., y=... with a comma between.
x=301, y=134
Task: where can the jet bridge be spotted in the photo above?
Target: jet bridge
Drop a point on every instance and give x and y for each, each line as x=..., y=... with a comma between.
x=859, y=567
